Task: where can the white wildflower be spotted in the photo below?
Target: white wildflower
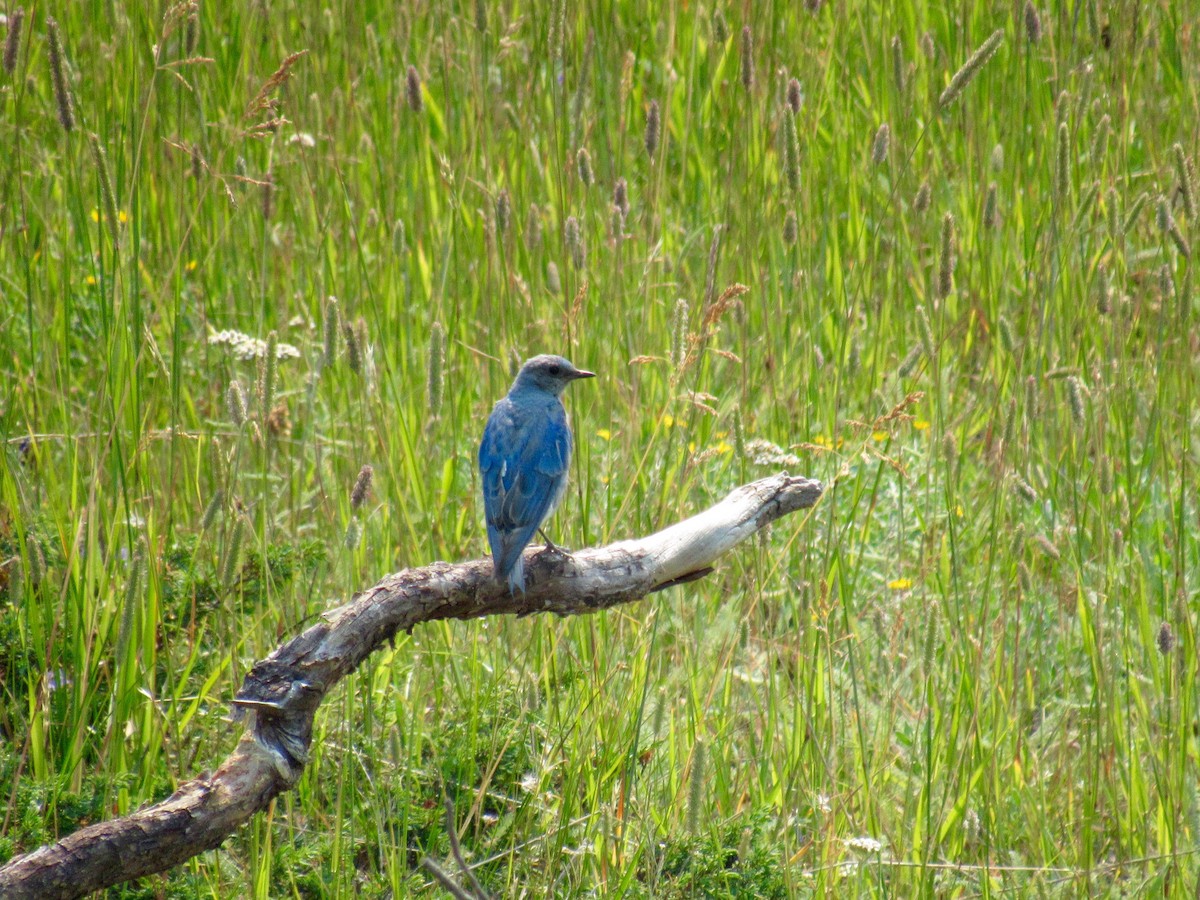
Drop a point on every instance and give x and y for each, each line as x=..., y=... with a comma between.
x=764, y=453
x=864, y=844
x=245, y=347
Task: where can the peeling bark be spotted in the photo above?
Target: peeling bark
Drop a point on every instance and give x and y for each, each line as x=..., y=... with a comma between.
x=281, y=693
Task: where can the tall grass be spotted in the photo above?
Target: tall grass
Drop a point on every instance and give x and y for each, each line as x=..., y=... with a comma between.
x=970, y=311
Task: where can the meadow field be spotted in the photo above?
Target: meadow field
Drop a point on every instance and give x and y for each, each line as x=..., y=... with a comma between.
x=934, y=255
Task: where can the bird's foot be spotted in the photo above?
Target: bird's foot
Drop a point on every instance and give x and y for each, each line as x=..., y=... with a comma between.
x=551, y=548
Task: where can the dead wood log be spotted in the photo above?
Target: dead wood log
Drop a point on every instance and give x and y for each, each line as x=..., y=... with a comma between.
x=282, y=692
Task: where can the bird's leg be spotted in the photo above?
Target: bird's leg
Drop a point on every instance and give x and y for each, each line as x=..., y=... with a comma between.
x=550, y=546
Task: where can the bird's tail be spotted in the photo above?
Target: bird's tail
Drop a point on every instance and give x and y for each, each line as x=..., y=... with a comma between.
x=516, y=576
x=506, y=558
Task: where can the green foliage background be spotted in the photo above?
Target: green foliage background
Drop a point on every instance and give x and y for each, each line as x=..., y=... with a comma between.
x=971, y=671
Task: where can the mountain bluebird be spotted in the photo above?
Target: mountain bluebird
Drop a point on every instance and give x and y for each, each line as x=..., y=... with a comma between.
x=523, y=461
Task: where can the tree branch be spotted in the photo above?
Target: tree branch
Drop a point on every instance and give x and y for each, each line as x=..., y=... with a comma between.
x=282, y=692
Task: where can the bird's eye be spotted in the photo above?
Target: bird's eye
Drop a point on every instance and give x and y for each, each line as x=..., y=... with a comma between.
x=555, y=370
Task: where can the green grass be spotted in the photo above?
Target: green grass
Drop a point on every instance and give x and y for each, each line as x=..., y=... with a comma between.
x=958, y=654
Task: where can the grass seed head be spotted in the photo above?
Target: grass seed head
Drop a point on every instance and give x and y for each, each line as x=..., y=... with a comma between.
x=1007, y=337
x=795, y=97
x=62, y=94
x=279, y=420
x=1103, y=291
x=1025, y=490
x=747, y=58
x=574, y=237
x=1187, y=183
x=583, y=165
x=926, y=332
x=948, y=258
x=1134, y=211
x=950, y=448
x=1106, y=475
x=553, y=281
x=134, y=588
x=1062, y=163
x=739, y=434
x=616, y=222
x=235, y=403
x=652, y=129
x=215, y=504
x=791, y=228
x=100, y=158
x=412, y=90
x=434, y=370
x=191, y=30
x=791, y=154
x=720, y=28
x=1010, y=422
x=12, y=40
x=1033, y=23
x=710, y=270
x=990, y=211
x=1166, y=638
x=1016, y=546
x=1112, y=207
x=621, y=196
x=1166, y=283
x=1025, y=578
x=879, y=146
x=533, y=228
x=1167, y=223
x=971, y=68
x=1062, y=107
x=1075, y=398
x=679, y=323
x=329, y=333
x=354, y=350
x=923, y=197
x=1031, y=398
x=362, y=487
x=898, y=73
x=353, y=534
x=268, y=369
x=503, y=212
x=696, y=788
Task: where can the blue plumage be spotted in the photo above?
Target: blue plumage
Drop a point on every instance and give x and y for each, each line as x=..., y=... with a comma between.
x=523, y=461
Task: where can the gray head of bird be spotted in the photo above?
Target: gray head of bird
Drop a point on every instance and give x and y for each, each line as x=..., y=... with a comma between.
x=548, y=373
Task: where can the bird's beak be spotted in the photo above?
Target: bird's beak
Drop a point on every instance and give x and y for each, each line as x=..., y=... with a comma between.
x=583, y=373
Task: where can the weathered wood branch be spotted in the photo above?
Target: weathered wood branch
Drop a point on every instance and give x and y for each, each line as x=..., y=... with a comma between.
x=282, y=692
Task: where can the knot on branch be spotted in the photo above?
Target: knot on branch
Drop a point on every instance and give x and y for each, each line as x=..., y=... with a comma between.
x=282, y=703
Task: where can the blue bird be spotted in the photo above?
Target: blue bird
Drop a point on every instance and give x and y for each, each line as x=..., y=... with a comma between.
x=523, y=461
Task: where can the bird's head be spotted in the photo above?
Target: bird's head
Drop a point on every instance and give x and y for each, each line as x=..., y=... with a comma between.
x=548, y=373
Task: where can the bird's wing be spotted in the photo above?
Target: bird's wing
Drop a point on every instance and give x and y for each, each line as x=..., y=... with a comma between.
x=523, y=463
